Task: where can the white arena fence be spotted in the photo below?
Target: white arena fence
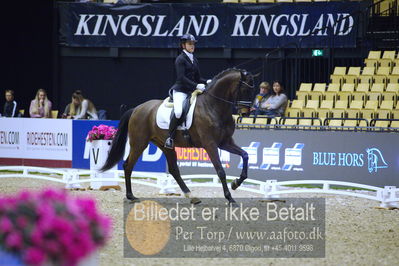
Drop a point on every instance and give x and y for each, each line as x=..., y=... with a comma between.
x=388, y=196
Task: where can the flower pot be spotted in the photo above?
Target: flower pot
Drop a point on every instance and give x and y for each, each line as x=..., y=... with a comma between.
x=97, y=151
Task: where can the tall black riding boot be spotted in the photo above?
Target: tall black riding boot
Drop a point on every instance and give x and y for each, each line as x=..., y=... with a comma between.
x=174, y=122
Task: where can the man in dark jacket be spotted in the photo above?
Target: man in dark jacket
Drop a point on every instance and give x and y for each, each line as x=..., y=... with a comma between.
x=188, y=80
x=10, y=107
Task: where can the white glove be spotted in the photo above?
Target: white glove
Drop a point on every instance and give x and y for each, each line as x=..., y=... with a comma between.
x=208, y=81
x=200, y=86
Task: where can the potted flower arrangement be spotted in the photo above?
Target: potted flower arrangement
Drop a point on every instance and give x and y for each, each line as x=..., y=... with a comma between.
x=101, y=132
x=98, y=144
x=51, y=227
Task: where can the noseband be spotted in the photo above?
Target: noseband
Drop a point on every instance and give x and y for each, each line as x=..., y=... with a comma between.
x=239, y=85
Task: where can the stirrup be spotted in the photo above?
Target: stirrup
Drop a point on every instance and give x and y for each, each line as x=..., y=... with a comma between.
x=169, y=143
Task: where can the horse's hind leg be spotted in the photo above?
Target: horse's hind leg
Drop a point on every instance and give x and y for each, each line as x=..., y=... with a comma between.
x=135, y=152
x=174, y=171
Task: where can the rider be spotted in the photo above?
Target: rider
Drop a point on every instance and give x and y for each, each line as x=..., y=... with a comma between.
x=188, y=79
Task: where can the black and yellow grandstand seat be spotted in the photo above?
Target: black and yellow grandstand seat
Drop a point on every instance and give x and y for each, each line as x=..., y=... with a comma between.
x=392, y=87
x=378, y=87
x=359, y=96
x=315, y=95
x=348, y=87
x=338, y=75
x=297, y=104
x=364, y=87
x=330, y=95
x=345, y=96
x=371, y=105
x=235, y=118
x=341, y=104
x=248, y=1
x=261, y=122
x=356, y=104
x=246, y=122
x=288, y=121
x=372, y=59
x=293, y=112
x=230, y=1
x=333, y=87
x=306, y=86
x=387, y=60
x=302, y=95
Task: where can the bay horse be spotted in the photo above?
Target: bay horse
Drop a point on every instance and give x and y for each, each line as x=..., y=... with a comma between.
x=212, y=128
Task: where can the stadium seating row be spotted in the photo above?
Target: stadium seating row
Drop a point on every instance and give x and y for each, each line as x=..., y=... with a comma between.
x=272, y=1
x=383, y=5
x=369, y=74
x=360, y=97
x=347, y=123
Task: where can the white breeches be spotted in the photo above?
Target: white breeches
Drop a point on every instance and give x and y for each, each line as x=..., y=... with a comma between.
x=178, y=100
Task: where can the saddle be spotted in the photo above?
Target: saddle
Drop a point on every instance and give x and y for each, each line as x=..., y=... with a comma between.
x=164, y=112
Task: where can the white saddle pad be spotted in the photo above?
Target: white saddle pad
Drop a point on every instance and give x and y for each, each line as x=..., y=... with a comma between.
x=164, y=111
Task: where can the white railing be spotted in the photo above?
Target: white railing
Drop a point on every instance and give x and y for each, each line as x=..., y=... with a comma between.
x=388, y=196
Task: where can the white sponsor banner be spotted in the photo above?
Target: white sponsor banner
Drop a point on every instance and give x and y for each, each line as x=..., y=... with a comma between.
x=32, y=138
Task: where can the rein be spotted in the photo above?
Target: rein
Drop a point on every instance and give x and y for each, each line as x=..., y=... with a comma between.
x=235, y=103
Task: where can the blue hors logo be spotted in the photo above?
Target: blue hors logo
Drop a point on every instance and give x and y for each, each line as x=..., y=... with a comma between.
x=375, y=160
x=252, y=151
x=293, y=157
x=271, y=157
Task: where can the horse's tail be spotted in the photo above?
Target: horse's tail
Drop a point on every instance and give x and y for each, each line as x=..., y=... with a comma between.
x=118, y=143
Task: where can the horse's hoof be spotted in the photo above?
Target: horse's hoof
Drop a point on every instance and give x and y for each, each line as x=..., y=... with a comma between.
x=234, y=184
x=233, y=203
x=132, y=198
x=195, y=201
x=135, y=200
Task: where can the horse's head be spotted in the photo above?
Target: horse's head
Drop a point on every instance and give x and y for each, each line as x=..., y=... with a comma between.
x=246, y=86
x=233, y=86
x=244, y=92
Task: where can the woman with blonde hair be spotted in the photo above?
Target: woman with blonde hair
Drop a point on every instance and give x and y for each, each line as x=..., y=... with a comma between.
x=80, y=108
x=40, y=107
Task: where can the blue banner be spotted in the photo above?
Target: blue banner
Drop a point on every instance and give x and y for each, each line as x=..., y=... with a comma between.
x=323, y=24
x=152, y=160
x=359, y=157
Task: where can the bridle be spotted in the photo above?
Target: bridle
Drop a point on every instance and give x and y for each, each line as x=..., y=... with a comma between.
x=241, y=83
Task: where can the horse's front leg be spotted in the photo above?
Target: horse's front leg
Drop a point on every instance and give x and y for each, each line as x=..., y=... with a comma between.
x=230, y=146
x=212, y=151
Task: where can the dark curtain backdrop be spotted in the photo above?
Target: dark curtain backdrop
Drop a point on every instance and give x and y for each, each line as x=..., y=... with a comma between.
x=111, y=82
x=26, y=49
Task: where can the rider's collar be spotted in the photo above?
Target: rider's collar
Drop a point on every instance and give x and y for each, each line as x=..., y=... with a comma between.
x=190, y=55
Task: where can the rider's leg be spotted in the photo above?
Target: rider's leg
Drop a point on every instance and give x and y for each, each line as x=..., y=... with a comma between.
x=178, y=100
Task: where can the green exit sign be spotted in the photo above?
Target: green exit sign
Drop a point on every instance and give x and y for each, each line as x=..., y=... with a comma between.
x=317, y=52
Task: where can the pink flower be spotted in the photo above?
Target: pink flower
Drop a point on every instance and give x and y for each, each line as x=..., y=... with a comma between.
x=24, y=196
x=37, y=237
x=22, y=221
x=14, y=240
x=5, y=225
x=101, y=132
x=53, y=194
x=34, y=256
x=51, y=226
